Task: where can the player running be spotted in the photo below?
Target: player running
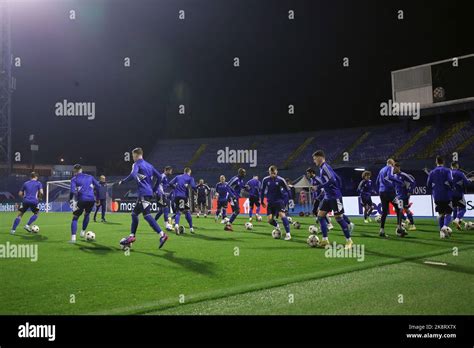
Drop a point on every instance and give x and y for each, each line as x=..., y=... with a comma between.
x=440, y=180
x=253, y=188
x=237, y=184
x=82, y=199
x=317, y=195
x=181, y=185
x=331, y=183
x=223, y=194
x=385, y=183
x=365, y=190
x=275, y=188
x=31, y=192
x=143, y=173
x=461, y=183
x=403, y=192
x=101, y=199
x=163, y=199
x=202, y=190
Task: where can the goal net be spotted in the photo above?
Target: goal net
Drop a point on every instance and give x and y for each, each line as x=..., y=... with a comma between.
x=57, y=196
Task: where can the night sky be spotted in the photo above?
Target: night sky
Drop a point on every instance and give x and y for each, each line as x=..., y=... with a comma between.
x=190, y=62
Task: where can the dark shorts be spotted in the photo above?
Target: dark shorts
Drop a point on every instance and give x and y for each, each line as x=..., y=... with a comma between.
x=334, y=205
x=25, y=206
x=163, y=201
x=390, y=197
x=366, y=200
x=181, y=203
x=274, y=208
x=253, y=200
x=222, y=205
x=83, y=206
x=202, y=200
x=444, y=207
x=459, y=202
x=143, y=205
x=405, y=202
x=102, y=202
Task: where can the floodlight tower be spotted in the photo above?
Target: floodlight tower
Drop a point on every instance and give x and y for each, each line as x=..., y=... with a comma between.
x=6, y=87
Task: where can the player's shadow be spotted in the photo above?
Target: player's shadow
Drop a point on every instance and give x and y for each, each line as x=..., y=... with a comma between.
x=212, y=238
x=193, y=265
x=33, y=237
x=111, y=223
x=92, y=247
x=411, y=238
x=421, y=259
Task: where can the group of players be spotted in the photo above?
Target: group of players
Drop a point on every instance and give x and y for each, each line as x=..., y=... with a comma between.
x=273, y=192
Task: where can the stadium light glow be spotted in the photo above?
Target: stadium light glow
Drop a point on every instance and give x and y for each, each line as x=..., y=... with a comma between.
x=359, y=169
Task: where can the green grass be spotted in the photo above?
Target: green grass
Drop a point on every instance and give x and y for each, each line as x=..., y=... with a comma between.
x=205, y=271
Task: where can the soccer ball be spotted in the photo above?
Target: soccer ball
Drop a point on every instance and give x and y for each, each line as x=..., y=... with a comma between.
x=259, y=218
x=248, y=226
x=313, y=240
x=449, y=231
x=290, y=219
x=313, y=229
x=469, y=225
x=35, y=228
x=296, y=225
x=124, y=247
x=378, y=218
x=225, y=220
x=276, y=234
x=168, y=227
x=181, y=230
x=197, y=215
x=90, y=236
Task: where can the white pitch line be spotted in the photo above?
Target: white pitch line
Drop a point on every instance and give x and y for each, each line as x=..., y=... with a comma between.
x=436, y=263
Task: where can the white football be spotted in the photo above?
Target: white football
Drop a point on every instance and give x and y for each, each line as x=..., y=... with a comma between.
x=313, y=240
x=90, y=236
x=259, y=218
x=469, y=225
x=313, y=229
x=248, y=226
x=290, y=219
x=169, y=227
x=35, y=228
x=276, y=234
x=378, y=218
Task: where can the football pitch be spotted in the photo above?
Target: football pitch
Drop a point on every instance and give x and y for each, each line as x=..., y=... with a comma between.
x=240, y=272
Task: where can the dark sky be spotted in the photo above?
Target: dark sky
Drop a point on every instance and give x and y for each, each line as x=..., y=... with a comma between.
x=190, y=62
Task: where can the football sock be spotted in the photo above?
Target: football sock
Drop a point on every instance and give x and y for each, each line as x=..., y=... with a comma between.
x=441, y=221
x=74, y=225
x=324, y=225
x=152, y=222
x=85, y=222
x=189, y=219
x=461, y=213
x=286, y=224
x=134, y=226
x=32, y=219
x=345, y=227
x=447, y=219
x=177, y=218
x=16, y=222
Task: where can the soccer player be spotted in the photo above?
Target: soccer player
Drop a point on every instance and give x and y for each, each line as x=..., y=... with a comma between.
x=101, y=198
x=253, y=188
x=403, y=192
x=275, y=188
x=31, y=192
x=461, y=183
x=223, y=194
x=331, y=183
x=385, y=183
x=365, y=190
x=143, y=173
x=440, y=180
x=237, y=184
x=317, y=194
x=82, y=199
x=202, y=190
x=181, y=185
x=163, y=193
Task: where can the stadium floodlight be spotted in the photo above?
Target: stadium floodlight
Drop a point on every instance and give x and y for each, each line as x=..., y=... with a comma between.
x=359, y=169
